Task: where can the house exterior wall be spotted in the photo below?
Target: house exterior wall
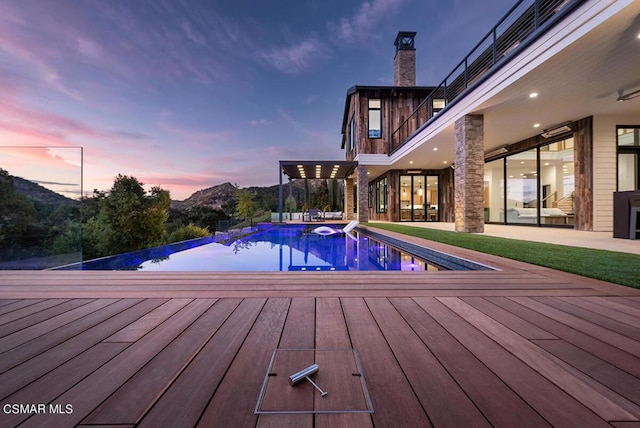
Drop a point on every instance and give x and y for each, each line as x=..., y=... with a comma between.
x=605, y=167
x=397, y=104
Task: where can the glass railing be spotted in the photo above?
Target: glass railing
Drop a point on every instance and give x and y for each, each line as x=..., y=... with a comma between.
x=525, y=21
x=40, y=220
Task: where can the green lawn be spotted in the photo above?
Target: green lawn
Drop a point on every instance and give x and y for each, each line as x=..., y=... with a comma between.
x=620, y=268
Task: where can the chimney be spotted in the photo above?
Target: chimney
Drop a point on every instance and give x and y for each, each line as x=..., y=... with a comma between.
x=404, y=63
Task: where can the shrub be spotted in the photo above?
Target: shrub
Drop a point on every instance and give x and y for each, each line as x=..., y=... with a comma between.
x=190, y=231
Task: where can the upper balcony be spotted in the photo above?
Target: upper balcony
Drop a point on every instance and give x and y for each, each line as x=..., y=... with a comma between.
x=524, y=23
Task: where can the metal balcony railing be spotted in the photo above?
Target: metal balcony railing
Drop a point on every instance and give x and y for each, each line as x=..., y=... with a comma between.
x=526, y=21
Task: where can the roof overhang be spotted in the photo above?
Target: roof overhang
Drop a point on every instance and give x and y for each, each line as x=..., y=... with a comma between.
x=318, y=169
x=580, y=68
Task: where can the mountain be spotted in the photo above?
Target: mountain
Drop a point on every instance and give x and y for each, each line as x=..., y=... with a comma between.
x=40, y=194
x=215, y=197
x=223, y=197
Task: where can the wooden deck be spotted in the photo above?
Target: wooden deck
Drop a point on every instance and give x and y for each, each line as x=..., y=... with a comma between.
x=524, y=346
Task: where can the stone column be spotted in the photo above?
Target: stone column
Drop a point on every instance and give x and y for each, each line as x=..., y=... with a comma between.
x=348, y=199
x=469, y=174
x=362, y=214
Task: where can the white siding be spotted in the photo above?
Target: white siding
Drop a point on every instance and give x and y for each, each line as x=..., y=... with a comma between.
x=604, y=167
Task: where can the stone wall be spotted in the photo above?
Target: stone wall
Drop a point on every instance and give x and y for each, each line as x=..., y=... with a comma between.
x=348, y=199
x=363, y=194
x=404, y=64
x=469, y=174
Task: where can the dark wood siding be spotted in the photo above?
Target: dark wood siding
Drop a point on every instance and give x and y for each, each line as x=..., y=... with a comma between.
x=583, y=155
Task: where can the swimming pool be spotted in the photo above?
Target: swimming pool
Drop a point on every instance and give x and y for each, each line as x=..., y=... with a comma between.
x=285, y=248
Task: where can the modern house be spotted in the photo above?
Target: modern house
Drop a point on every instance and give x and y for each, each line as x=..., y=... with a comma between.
x=538, y=125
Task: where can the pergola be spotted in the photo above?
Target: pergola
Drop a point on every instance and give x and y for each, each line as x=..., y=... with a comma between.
x=312, y=169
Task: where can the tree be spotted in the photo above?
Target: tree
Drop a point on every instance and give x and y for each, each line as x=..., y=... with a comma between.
x=17, y=216
x=320, y=197
x=245, y=203
x=128, y=219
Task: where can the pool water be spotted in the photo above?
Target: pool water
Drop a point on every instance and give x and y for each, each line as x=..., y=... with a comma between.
x=279, y=248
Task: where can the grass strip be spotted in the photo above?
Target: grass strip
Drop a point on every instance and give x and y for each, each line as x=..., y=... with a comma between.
x=611, y=266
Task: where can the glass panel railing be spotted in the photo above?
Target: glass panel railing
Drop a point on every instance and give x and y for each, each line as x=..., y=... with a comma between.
x=525, y=21
x=40, y=193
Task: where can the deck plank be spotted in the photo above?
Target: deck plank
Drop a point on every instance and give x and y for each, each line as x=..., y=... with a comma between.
x=610, y=376
x=298, y=333
x=503, y=407
x=517, y=324
x=616, y=306
x=25, y=320
x=31, y=369
x=59, y=380
x=8, y=302
x=18, y=304
x=246, y=373
x=629, y=301
x=104, y=381
x=552, y=403
x=592, y=329
x=571, y=306
x=144, y=325
x=607, y=309
x=552, y=368
x=132, y=401
x=434, y=387
x=184, y=403
x=43, y=327
x=619, y=358
x=87, y=329
x=394, y=401
x=331, y=333
x=30, y=310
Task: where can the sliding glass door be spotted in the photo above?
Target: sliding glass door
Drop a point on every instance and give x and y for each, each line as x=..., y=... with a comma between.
x=418, y=198
x=532, y=187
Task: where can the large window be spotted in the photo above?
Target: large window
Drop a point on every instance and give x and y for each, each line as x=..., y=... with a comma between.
x=628, y=158
x=352, y=134
x=381, y=195
x=522, y=187
x=538, y=187
x=494, y=191
x=375, y=118
x=557, y=183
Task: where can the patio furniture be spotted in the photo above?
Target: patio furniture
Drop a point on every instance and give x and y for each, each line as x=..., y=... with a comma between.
x=313, y=215
x=333, y=215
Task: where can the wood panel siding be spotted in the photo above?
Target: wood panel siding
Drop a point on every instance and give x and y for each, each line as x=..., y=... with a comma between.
x=447, y=195
x=583, y=170
x=397, y=104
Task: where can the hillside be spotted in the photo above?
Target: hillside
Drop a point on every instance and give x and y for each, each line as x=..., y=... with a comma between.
x=222, y=196
x=40, y=194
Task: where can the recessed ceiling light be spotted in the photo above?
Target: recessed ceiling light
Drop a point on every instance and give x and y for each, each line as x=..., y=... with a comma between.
x=446, y=162
x=435, y=149
x=411, y=162
x=511, y=176
x=536, y=125
x=533, y=94
x=521, y=161
x=639, y=35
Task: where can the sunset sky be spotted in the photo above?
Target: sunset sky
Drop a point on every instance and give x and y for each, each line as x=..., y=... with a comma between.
x=187, y=94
